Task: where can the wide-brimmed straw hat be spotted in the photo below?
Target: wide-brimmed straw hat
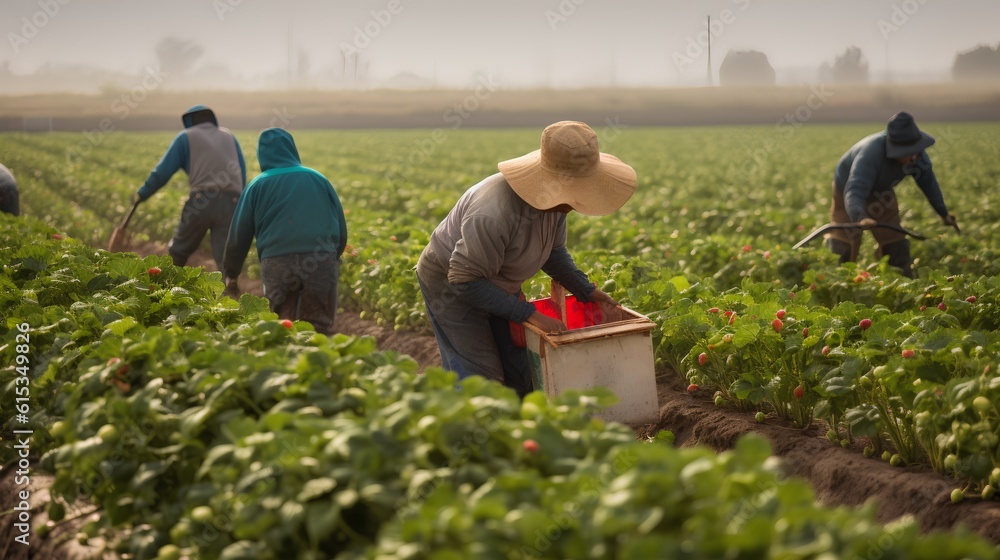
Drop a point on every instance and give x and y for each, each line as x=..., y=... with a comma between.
x=569, y=168
x=904, y=139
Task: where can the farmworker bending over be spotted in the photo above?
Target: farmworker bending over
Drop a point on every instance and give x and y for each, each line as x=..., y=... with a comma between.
x=298, y=221
x=9, y=201
x=863, y=190
x=212, y=158
x=499, y=234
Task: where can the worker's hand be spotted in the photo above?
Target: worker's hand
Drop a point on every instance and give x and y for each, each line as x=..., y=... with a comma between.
x=546, y=323
x=867, y=223
x=949, y=220
x=603, y=297
x=233, y=288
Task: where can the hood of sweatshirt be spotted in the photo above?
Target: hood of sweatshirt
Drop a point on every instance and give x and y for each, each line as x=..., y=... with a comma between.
x=276, y=149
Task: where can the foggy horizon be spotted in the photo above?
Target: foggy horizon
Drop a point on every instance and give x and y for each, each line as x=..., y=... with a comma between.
x=67, y=45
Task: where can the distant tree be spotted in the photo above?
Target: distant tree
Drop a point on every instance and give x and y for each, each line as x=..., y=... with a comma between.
x=177, y=56
x=746, y=68
x=979, y=64
x=848, y=68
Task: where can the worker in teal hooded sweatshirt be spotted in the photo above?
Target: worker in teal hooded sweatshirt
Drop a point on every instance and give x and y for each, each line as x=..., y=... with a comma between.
x=212, y=158
x=296, y=216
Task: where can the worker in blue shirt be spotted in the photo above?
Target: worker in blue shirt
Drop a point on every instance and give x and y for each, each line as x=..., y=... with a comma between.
x=863, y=190
x=212, y=158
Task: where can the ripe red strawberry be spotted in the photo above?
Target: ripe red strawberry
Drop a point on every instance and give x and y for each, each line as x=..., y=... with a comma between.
x=767, y=254
x=805, y=332
x=287, y=323
x=777, y=325
x=732, y=318
x=865, y=323
x=713, y=310
x=56, y=236
x=942, y=306
x=826, y=350
x=971, y=299
x=153, y=271
x=908, y=353
x=692, y=387
x=702, y=359
x=799, y=392
x=923, y=308
x=747, y=248
x=780, y=314
x=530, y=445
x=727, y=313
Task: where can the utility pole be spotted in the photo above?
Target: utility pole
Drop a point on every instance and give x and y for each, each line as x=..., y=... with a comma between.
x=290, y=80
x=887, y=77
x=709, y=69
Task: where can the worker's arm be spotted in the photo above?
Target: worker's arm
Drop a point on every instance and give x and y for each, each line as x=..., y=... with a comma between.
x=177, y=157
x=478, y=256
x=241, y=234
x=928, y=183
x=563, y=269
x=243, y=163
x=864, y=172
x=341, y=221
x=485, y=295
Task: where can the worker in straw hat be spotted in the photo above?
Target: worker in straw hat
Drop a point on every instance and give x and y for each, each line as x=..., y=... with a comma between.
x=863, y=190
x=501, y=232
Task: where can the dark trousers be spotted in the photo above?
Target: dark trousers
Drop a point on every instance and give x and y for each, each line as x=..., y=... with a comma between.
x=204, y=212
x=303, y=287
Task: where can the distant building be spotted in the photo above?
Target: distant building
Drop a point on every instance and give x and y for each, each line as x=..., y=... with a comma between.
x=746, y=68
x=977, y=65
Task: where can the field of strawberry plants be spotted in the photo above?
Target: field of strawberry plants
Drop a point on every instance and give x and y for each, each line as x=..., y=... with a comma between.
x=207, y=418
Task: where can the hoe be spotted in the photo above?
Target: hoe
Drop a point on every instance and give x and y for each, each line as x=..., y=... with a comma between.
x=119, y=238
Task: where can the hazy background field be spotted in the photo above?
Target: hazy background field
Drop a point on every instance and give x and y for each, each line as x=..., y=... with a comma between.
x=453, y=109
x=136, y=65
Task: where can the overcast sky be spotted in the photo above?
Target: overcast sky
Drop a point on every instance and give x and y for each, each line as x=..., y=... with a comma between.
x=523, y=43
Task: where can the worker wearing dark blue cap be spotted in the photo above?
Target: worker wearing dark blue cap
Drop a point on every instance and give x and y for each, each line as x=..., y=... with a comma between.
x=212, y=158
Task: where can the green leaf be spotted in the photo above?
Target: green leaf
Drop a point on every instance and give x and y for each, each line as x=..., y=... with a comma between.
x=680, y=282
x=121, y=326
x=245, y=550
x=316, y=488
x=745, y=334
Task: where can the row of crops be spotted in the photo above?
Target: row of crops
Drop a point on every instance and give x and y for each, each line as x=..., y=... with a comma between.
x=197, y=425
x=907, y=366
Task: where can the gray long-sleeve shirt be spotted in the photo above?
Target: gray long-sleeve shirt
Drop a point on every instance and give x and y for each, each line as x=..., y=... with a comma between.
x=492, y=234
x=865, y=170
